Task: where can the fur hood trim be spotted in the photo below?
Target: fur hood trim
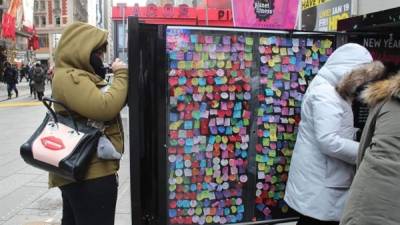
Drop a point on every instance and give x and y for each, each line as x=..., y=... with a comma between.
x=382, y=90
x=350, y=84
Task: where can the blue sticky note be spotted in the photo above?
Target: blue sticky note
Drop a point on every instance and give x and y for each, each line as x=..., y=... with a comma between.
x=265, y=118
x=278, y=84
x=211, y=139
x=182, y=80
x=179, y=164
x=189, y=142
x=202, y=81
x=188, y=149
x=173, y=117
x=237, y=114
x=221, y=129
x=188, y=125
x=269, y=92
x=238, y=106
x=173, y=64
x=203, y=107
x=193, y=38
x=293, y=60
x=173, y=55
x=228, y=130
x=315, y=55
x=172, y=213
x=266, y=133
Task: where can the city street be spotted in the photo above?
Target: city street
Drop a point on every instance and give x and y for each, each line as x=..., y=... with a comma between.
x=24, y=195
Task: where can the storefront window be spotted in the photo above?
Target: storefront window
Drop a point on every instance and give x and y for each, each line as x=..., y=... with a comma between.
x=36, y=21
x=58, y=20
x=42, y=5
x=43, y=41
x=43, y=21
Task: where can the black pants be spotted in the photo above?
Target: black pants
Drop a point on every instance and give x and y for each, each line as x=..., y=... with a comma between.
x=10, y=88
x=90, y=202
x=305, y=220
x=40, y=95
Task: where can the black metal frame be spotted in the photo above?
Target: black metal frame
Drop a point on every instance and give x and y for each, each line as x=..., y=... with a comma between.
x=148, y=105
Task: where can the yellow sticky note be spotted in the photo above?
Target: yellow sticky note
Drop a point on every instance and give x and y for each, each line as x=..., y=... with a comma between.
x=273, y=137
x=308, y=53
x=275, y=49
x=220, y=64
x=263, y=41
x=271, y=63
x=221, y=56
x=283, y=52
x=291, y=121
x=181, y=65
x=291, y=102
x=261, y=166
x=278, y=92
x=277, y=58
x=228, y=64
x=314, y=48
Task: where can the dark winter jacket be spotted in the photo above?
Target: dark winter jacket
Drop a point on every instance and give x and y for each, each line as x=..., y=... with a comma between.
x=10, y=76
x=39, y=78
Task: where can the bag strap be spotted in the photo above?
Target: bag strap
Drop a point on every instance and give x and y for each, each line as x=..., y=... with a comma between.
x=48, y=101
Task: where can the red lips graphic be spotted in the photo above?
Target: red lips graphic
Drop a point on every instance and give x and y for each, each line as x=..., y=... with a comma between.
x=52, y=143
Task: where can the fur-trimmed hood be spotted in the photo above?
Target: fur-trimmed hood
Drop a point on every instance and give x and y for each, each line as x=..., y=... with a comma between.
x=382, y=90
x=357, y=78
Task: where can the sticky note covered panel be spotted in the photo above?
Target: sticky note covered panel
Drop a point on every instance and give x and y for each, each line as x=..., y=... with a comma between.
x=286, y=67
x=208, y=130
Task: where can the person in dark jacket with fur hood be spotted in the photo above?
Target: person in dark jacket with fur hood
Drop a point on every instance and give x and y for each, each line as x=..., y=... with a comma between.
x=373, y=197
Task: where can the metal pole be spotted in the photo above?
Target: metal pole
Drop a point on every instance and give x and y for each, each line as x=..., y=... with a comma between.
x=124, y=34
x=207, y=12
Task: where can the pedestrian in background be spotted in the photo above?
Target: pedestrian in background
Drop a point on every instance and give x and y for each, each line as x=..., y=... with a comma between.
x=11, y=79
x=77, y=85
x=322, y=166
x=39, y=78
x=374, y=193
x=31, y=82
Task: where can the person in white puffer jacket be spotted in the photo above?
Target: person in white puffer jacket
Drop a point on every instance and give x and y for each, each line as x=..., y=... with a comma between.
x=324, y=157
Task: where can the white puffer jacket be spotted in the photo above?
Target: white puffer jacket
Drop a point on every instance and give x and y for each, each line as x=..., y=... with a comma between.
x=324, y=157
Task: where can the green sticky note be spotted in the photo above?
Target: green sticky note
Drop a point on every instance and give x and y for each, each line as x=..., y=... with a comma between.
x=248, y=57
x=204, y=56
x=272, y=153
x=248, y=48
x=286, y=76
x=259, y=158
x=265, y=142
x=270, y=162
x=246, y=122
x=260, y=112
x=209, y=172
x=270, y=83
x=249, y=41
x=198, y=47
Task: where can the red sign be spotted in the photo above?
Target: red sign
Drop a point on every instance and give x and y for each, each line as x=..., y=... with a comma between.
x=181, y=15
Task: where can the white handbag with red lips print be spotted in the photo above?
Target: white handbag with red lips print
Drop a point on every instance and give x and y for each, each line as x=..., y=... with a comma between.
x=61, y=145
